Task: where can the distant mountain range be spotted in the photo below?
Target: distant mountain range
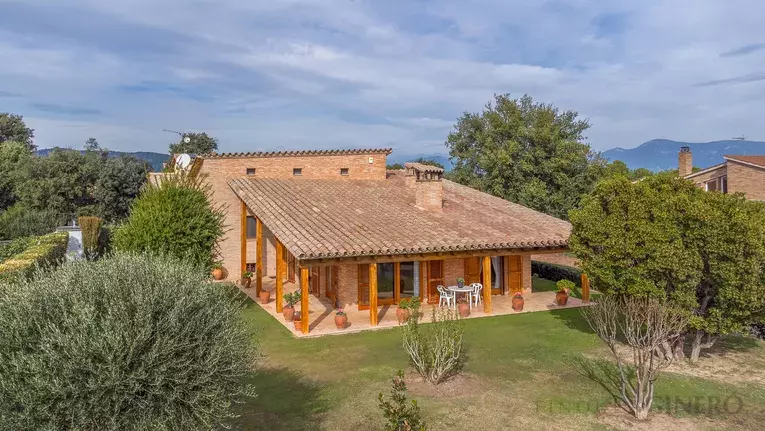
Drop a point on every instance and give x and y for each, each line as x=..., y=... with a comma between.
x=661, y=154
x=155, y=160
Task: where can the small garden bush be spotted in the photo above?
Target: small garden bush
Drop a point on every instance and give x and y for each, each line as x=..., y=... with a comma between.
x=32, y=253
x=435, y=350
x=399, y=414
x=175, y=218
x=17, y=222
x=129, y=342
x=554, y=272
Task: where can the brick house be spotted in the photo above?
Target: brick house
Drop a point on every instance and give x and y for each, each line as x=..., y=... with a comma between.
x=348, y=231
x=737, y=174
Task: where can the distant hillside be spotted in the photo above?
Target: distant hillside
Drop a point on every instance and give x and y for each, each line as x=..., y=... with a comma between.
x=661, y=154
x=440, y=158
x=155, y=159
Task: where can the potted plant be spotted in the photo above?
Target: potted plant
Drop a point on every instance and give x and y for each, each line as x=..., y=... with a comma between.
x=402, y=312
x=298, y=322
x=463, y=307
x=265, y=296
x=289, y=308
x=246, y=279
x=341, y=319
x=460, y=282
x=518, y=302
x=564, y=290
x=217, y=271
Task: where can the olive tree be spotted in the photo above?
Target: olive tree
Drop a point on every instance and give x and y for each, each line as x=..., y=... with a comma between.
x=663, y=237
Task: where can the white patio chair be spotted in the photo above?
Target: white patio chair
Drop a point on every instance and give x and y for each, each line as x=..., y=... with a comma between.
x=477, y=288
x=444, y=295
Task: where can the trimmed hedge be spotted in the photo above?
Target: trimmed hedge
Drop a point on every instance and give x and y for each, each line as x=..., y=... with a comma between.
x=47, y=250
x=554, y=272
x=18, y=222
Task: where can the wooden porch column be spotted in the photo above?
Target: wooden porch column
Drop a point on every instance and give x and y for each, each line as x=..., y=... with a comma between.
x=373, y=318
x=279, y=278
x=486, y=284
x=304, y=312
x=585, y=288
x=243, y=239
x=259, y=256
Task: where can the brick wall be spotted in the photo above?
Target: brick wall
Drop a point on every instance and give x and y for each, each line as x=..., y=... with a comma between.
x=453, y=269
x=218, y=170
x=429, y=195
x=746, y=179
x=347, y=285
x=526, y=273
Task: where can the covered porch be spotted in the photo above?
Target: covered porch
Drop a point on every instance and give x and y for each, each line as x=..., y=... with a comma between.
x=321, y=310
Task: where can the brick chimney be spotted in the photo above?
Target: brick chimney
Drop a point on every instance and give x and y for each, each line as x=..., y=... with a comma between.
x=428, y=185
x=684, y=162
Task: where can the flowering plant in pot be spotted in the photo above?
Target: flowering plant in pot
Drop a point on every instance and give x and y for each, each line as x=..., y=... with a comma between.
x=463, y=307
x=518, y=302
x=217, y=271
x=460, y=282
x=341, y=319
x=402, y=312
x=564, y=290
x=246, y=279
x=288, y=311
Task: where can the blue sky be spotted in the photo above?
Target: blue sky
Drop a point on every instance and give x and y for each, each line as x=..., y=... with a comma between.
x=277, y=74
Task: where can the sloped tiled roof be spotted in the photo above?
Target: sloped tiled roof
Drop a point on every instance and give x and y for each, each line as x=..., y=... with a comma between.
x=295, y=153
x=335, y=218
x=752, y=160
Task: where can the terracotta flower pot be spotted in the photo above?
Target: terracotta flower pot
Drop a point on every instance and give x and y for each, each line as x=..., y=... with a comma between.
x=289, y=313
x=298, y=324
x=518, y=303
x=246, y=282
x=561, y=298
x=218, y=274
x=341, y=321
x=402, y=314
x=464, y=309
x=265, y=296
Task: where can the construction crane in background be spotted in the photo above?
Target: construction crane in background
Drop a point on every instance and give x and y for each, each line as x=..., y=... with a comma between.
x=739, y=138
x=186, y=139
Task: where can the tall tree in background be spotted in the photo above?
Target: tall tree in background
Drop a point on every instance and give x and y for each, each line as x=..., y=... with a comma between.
x=429, y=162
x=92, y=145
x=663, y=237
x=13, y=157
x=198, y=143
x=13, y=128
x=119, y=182
x=526, y=152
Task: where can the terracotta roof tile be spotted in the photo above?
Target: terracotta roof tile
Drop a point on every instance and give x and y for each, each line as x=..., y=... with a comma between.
x=423, y=168
x=335, y=218
x=295, y=153
x=752, y=160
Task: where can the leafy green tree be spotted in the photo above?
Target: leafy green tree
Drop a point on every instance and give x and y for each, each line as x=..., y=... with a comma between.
x=129, y=342
x=198, y=143
x=526, y=152
x=395, y=166
x=92, y=145
x=639, y=173
x=119, y=183
x=429, y=162
x=13, y=157
x=618, y=167
x=13, y=128
x=176, y=217
x=664, y=237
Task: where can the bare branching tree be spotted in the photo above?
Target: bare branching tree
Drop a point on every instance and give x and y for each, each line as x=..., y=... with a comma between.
x=635, y=329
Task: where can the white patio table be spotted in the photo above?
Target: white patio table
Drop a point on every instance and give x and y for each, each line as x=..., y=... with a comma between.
x=465, y=289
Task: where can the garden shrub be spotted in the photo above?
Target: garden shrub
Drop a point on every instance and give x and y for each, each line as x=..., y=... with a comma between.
x=400, y=415
x=18, y=221
x=435, y=350
x=175, y=218
x=128, y=342
x=554, y=272
x=41, y=252
x=14, y=247
x=92, y=243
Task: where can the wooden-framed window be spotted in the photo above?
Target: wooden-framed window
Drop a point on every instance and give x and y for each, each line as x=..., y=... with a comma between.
x=297, y=171
x=252, y=224
x=250, y=171
x=344, y=171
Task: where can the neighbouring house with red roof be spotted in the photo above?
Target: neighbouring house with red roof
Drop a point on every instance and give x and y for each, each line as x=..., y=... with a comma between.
x=737, y=174
x=345, y=229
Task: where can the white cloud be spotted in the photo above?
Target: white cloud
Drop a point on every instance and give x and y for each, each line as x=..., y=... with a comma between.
x=331, y=73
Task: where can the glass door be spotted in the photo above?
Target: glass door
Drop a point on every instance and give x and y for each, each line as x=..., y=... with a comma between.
x=386, y=283
x=363, y=272
x=406, y=280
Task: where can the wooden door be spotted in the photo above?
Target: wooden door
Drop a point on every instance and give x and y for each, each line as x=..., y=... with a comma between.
x=291, y=265
x=516, y=274
x=315, y=280
x=435, y=277
x=473, y=270
x=331, y=284
x=363, y=281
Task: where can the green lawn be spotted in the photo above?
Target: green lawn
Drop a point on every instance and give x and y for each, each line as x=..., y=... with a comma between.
x=523, y=371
